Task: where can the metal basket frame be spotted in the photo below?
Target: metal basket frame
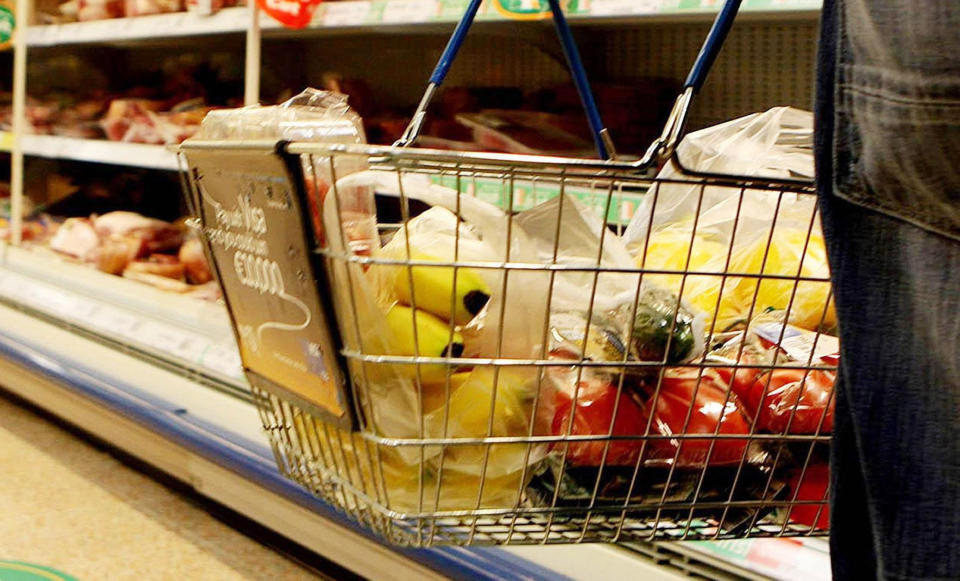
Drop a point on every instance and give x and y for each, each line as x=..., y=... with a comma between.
x=347, y=469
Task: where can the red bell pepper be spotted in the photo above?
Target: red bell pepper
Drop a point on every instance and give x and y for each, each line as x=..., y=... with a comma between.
x=594, y=411
x=814, y=486
x=808, y=393
x=711, y=407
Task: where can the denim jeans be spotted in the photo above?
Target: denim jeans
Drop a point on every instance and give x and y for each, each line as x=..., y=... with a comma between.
x=888, y=164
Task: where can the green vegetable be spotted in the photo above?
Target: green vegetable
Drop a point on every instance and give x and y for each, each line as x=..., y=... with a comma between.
x=658, y=316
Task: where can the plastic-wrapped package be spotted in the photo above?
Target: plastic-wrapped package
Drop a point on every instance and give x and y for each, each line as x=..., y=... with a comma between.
x=510, y=324
x=494, y=402
x=689, y=401
x=147, y=7
x=593, y=414
x=312, y=115
x=739, y=226
x=462, y=324
x=681, y=389
x=99, y=9
x=795, y=401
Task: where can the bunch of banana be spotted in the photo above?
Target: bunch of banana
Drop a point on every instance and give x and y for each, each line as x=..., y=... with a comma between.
x=444, y=301
x=418, y=333
x=434, y=291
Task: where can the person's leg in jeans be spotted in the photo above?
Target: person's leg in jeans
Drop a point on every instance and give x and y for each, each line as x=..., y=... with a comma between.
x=888, y=152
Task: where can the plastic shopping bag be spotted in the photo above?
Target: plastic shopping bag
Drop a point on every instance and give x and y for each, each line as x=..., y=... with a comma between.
x=749, y=232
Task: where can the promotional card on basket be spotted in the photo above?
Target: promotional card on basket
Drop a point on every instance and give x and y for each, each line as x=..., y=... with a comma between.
x=254, y=226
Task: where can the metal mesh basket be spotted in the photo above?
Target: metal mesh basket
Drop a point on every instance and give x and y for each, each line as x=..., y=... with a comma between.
x=525, y=376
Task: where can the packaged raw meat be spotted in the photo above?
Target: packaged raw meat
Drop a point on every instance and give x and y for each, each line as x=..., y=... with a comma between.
x=154, y=235
x=163, y=265
x=123, y=113
x=194, y=262
x=76, y=237
x=145, y=7
x=116, y=252
x=99, y=9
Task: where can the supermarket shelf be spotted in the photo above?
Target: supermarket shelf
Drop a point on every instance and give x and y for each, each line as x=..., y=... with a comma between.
x=214, y=443
x=383, y=14
x=100, y=151
x=153, y=27
x=378, y=14
x=187, y=335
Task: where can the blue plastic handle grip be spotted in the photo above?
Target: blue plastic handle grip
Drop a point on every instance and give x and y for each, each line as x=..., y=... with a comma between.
x=579, y=75
x=453, y=45
x=711, y=46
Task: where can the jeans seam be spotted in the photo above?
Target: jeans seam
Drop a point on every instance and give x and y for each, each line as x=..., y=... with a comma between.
x=895, y=98
x=894, y=577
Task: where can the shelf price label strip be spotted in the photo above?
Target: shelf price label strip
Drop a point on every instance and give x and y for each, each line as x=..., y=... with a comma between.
x=193, y=348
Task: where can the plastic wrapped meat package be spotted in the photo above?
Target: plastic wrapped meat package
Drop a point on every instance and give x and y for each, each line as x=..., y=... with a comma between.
x=735, y=228
x=147, y=7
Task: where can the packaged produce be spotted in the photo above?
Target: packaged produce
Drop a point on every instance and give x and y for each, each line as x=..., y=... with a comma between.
x=783, y=400
x=494, y=402
x=811, y=485
x=795, y=401
x=751, y=232
x=662, y=329
x=384, y=474
x=689, y=401
x=416, y=333
x=511, y=321
x=601, y=409
x=686, y=403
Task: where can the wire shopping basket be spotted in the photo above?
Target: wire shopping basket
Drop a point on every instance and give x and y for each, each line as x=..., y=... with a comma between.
x=489, y=361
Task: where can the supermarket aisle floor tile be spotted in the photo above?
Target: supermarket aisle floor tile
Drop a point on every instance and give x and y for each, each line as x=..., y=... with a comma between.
x=67, y=505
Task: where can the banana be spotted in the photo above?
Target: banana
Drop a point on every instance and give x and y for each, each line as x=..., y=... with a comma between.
x=433, y=289
x=435, y=394
x=432, y=336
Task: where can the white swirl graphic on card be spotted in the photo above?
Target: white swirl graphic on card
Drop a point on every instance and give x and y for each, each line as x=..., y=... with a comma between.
x=243, y=228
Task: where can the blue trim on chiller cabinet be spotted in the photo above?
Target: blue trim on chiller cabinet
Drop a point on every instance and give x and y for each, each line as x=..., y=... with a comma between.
x=252, y=460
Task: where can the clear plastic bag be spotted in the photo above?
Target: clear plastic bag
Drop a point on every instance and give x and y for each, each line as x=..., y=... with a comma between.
x=733, y=233
x=312, y=115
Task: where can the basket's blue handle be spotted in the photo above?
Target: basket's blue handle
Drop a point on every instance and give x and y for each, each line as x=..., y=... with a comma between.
x=711, y=46
x=454, y=44
x=600, y=135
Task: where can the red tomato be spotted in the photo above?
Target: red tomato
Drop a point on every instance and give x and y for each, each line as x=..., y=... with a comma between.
x=676, y=399
x=789, y=389
x=741, y=379
x=594, y=411
x=814, y=486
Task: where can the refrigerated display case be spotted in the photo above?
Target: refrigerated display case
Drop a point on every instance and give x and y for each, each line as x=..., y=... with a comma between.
x=156, y=372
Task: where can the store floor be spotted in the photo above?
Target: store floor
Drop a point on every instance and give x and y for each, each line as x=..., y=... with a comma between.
x=67, y=505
